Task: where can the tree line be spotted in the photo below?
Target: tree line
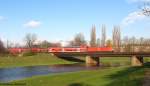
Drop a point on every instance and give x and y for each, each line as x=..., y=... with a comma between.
x=119, y=44
x=124, y=44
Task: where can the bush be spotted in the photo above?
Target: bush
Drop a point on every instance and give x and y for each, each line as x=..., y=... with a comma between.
x=28, y=53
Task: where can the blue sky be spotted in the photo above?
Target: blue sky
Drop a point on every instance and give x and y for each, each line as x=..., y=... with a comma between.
x=56, y=20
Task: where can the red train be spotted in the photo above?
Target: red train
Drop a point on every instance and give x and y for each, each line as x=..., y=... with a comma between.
x=81, y=49
x=61, y=49
x=20, y=50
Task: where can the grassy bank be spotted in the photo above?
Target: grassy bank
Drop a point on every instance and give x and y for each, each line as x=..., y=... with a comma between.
x=115, y=76
x=38, y=59
x=118, y=76
x=48, y=59
x=115, y=61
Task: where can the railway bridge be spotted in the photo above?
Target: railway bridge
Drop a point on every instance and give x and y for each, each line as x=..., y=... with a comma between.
x=92, y=58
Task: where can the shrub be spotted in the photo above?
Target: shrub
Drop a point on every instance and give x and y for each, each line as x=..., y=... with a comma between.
x=28, y=53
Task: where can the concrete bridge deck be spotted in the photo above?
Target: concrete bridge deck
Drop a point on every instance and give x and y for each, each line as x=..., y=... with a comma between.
x=92, y=58
x=104, y=54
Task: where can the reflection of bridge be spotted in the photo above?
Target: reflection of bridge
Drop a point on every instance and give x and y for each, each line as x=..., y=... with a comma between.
x=92, y=58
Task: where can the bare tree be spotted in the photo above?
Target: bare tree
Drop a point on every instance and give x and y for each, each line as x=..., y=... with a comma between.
x=58, y=44
x=44, y=44
x=103, y=39
x=78, y=40
x=125, y=44
x=116, y=38
x=30, y=39
x=2, y=48
x=98, y=42
x=146, y=8
x=17, y=45
x=109, y=43
x=93, y=37
x=9, y=44
x=133, y=41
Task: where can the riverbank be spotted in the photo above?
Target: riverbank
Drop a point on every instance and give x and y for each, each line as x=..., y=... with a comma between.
x=48, y=59
x=38, y=59
x=115, y=76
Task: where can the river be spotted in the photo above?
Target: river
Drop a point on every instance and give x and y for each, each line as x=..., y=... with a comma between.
x=17, y=73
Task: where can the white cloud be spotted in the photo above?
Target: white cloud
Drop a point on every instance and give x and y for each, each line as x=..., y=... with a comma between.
x=2, y=18
x=136, y=1
x=132, y=18
x=32, y=24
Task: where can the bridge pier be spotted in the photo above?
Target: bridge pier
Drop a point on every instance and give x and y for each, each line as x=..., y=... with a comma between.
x=136, y=60
x=92, y=61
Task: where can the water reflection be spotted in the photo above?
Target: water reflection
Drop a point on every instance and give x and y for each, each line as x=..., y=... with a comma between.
x=9, y=74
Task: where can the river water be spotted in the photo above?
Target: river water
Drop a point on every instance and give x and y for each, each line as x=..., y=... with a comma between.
x=10, y=74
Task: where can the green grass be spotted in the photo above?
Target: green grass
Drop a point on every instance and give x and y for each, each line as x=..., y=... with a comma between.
x=117, y=76
x=38, y=59
x=115, y=60
x=120, y=60
x=48, y=59
x=147, y=59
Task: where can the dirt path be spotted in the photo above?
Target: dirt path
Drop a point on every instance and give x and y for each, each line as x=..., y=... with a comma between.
x=147, y=78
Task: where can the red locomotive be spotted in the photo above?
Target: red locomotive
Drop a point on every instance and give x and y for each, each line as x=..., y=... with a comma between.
x=80, y=49
x=62, y=49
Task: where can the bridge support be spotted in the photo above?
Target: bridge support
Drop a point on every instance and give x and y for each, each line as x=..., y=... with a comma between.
x=136, y=61
x=92, y=61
